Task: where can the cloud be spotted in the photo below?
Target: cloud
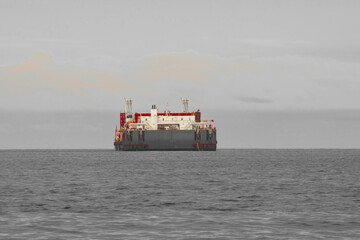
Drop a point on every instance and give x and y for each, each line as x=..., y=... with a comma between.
x=190, y=67
x=182, y=67
x=38, y=62
x=41, y=72
x=256, y=83
x=253, y=99
x=54, y=40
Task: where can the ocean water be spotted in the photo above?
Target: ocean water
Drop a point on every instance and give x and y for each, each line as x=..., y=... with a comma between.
x=227, y=194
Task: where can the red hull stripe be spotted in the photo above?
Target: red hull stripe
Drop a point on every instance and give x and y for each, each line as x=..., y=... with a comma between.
x=164, y=114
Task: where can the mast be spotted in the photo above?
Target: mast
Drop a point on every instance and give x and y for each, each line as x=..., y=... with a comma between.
x=184, y=105
x=129, y=108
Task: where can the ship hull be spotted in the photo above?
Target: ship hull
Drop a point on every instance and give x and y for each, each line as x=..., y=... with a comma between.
x=167, y=140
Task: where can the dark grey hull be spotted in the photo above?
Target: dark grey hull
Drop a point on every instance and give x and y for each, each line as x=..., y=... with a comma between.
x=167, y=140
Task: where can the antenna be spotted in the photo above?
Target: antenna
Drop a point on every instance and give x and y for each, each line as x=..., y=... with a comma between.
x=184, y=105
x=167, y=110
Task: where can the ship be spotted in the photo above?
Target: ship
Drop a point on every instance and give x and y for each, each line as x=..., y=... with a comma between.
x=164, y=131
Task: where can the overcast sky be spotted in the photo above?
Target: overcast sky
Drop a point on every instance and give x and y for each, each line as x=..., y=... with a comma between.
x=271, y=73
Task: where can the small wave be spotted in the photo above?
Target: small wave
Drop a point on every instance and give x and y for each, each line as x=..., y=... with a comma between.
x=230, y=200
x=168, y=203
x=249, y=197
x=213, y=181
x=215, y=209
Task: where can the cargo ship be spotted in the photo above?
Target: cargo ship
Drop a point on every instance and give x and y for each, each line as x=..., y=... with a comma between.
x=164, y=131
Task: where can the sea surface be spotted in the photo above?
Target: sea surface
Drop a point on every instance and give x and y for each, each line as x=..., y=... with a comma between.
x=227, y=194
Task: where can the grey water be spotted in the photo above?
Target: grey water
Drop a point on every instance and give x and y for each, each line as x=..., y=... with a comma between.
x=227, y=194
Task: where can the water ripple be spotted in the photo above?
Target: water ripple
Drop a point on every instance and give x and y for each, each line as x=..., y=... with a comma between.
x=228, y=194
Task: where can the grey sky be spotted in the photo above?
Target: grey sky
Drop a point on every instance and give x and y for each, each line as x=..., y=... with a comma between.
x=226, y=56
